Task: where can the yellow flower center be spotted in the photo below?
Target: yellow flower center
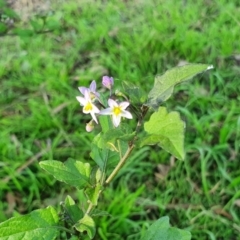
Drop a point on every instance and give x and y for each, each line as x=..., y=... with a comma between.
x=88, y=107
x=117, y=110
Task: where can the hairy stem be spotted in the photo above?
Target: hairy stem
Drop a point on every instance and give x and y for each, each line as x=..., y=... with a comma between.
x=119, y=149
x=120, y=164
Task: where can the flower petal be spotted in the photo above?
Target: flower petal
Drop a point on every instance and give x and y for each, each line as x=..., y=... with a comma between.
x=94, y=117
x=97, y=95
x=124, y=105
x=81, y=100
x=112, y=103
x=126, y=114
x=93, y=86
x=107, y=111
x=87, y=95
x=95, y=109
x=116, y=120
x=82, y=90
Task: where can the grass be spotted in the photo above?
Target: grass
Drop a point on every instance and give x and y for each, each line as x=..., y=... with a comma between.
x=133, y=41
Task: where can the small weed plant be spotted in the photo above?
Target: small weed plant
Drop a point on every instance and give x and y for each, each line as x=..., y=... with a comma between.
x=124, y=119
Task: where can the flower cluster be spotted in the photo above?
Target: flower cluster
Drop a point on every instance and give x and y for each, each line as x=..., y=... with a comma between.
x=91, y=97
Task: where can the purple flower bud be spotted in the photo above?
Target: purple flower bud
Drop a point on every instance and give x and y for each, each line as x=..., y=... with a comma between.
x=107, y=82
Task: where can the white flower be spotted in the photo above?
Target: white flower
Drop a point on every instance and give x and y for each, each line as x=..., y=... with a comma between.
x=88, y=106
x=92, y=90
x=117, y=111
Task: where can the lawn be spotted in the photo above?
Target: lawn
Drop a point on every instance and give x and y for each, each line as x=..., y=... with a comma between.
x=74, y=42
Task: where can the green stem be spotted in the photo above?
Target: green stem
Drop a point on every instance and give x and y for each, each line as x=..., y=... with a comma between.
x=119, y=149
x=120, y=164
x=89, y=208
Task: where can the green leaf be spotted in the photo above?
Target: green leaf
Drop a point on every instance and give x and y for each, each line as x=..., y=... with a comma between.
x=161, y=230
x=100, y=156
x=72, y=210
x=24, y=32
x=2, y=4
x=52, y=24
x=10, y=13
x=166, y=130
x=3, y=28
x=109, y=133
x=86, y=224
x=134, y=92
x=108, y=139
x=164, y=85
x=105, y=123
x=39, y=224
x=124, y=132
x=72, y=172
x=37, y=24
x=115, y=140
x=103, y=157
x=96, y=175
x=93, y=193
x=101, y=142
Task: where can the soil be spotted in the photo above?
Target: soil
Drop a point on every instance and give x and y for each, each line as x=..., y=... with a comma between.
x=27, y=8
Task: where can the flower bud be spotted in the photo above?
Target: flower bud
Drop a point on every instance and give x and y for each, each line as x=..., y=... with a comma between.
x=90, y=126
x=107, y=82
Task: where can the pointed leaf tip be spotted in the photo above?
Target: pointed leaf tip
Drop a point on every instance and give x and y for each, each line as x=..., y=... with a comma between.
x=210, y=67
x=164, y=84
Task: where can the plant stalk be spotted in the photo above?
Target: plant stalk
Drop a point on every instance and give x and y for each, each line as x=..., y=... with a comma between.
x=120, y=164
